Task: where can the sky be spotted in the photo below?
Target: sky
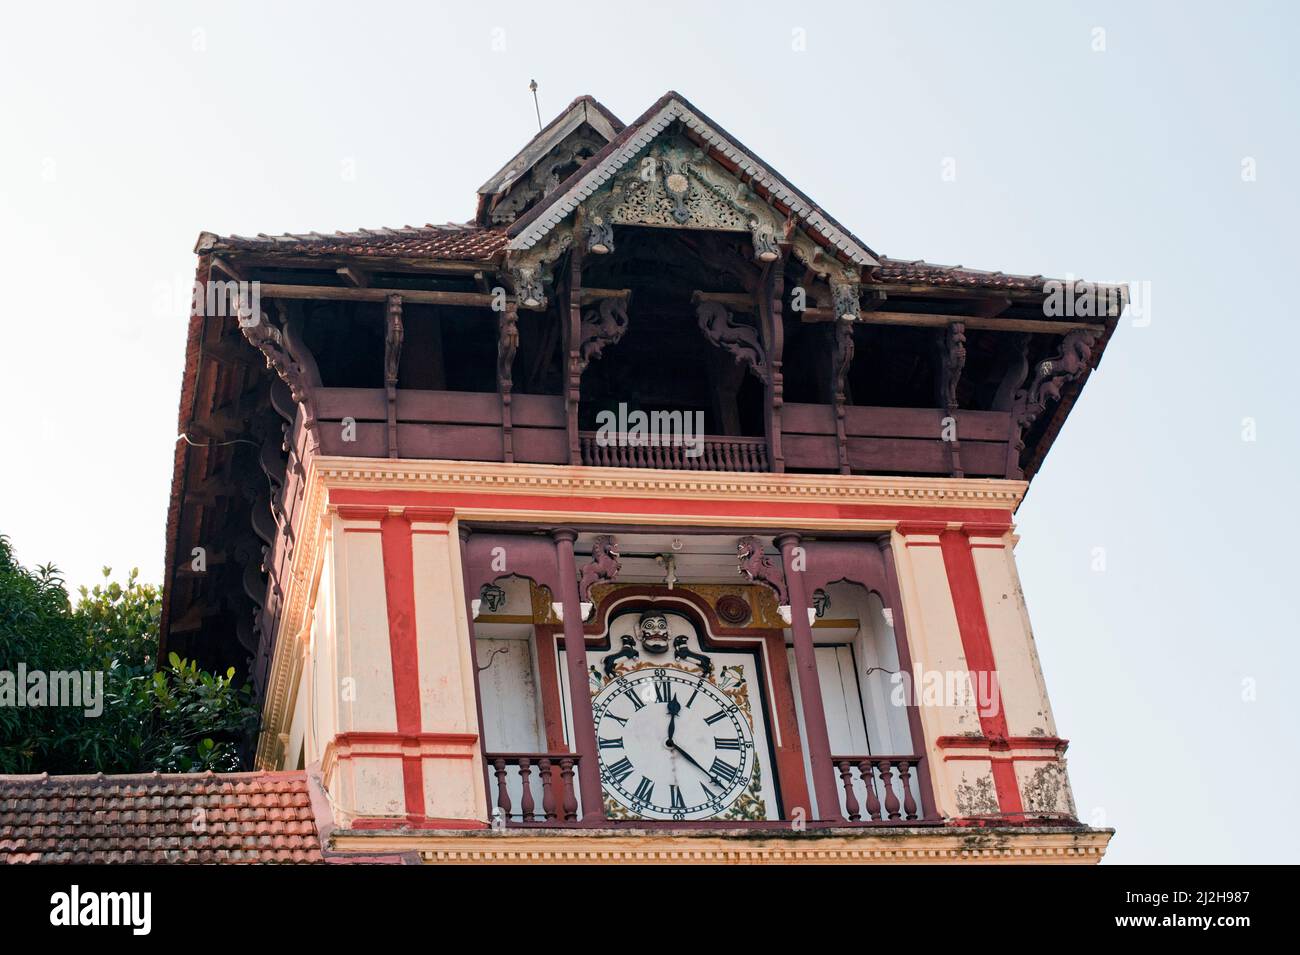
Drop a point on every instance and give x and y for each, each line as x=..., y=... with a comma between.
x=1143, y=142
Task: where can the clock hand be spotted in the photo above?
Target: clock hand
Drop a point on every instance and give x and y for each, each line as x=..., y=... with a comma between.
x=673, y=709
x=691, y=759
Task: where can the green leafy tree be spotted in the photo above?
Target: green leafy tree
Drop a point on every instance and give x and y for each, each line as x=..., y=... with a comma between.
x=171, y=718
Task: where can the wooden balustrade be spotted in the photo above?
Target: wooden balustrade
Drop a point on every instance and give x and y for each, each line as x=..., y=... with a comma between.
x=879, y=788
x=544, y=782
x=715, y=453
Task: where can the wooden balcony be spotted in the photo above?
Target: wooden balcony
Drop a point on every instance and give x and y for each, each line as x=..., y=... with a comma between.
x=533, y=789
x=468, y=426
x=715, y=453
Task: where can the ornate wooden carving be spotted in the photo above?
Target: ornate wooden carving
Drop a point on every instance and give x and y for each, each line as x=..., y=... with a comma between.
x=605, y=324
x=952, y=359
x=842, y=360
x=604, y=566
x=741, y=341
x=772, y=285
x=1050, y=376
x=507, y=347
x=733, y=610
x=628, y=651
x=288, y=357
x=758, y=567
x=392, y=358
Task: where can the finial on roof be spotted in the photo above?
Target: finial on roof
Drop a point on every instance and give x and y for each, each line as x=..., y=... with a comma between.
x=532, y=85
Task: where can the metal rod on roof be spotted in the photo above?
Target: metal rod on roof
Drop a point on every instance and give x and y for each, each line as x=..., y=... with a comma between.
x=532, y=85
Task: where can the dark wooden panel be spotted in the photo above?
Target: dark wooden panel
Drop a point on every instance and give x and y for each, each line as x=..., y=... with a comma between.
x=452, y=407
x=371, y=440
x=892, y=455
x=541, y=446
x=360, y=404
x=538, y=411
x=807, y=419
x=984, y=458
x=810, y=451
x=923, y=423
x=449, y=441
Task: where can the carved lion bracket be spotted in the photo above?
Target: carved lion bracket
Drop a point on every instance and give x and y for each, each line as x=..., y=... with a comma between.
x=741, y=341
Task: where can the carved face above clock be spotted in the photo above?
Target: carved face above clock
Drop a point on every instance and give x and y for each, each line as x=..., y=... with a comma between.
x=680, y=730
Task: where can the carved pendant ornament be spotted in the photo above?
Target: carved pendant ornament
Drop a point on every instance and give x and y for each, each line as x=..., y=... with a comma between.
x=605, y=324
x=741, y=341
x=1051, y=375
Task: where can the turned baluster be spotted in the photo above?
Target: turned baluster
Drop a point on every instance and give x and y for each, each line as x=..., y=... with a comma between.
x=869, y=779
x=891, y=800
x=526, y=779
x=503, y=794
x=566, y=781
x=905, y=777
x=850, y=800
x=548, y=796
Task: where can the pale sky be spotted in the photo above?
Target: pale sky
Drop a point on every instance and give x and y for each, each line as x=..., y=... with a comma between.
x=1158, y=542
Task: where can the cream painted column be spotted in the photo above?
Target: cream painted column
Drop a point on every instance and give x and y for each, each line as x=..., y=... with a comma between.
x=940, y=673
x=453, y=771
x=1040, y=769
x=361, y=780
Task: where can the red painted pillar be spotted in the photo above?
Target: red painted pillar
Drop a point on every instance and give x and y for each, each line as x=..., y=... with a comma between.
x=825, y=785
x=575, y=658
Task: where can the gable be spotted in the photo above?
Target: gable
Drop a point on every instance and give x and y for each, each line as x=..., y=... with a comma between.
x=696, y=171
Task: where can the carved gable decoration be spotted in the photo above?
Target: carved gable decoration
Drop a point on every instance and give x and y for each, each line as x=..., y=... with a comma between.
x=653, y=174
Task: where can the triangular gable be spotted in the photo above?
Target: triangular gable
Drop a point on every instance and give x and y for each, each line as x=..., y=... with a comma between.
x=583, y=111
x=772, y=188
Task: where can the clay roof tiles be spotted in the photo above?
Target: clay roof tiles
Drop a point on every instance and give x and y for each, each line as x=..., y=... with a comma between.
x=197, y=818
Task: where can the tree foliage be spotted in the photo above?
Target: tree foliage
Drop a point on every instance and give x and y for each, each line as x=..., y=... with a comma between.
x=171, y=718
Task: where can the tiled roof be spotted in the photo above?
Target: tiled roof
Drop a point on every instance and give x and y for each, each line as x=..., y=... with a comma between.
x=919, y=272
x=198, y=818
x=451, y=242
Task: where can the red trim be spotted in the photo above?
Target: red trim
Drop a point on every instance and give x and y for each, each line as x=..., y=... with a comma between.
x=399, y=590
x=968, y=603
x=363, y=737
x=425, y=822
x=745, y=509
x=1054, y=743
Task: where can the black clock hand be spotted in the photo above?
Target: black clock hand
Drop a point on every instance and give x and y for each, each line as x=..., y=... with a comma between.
x=673, y=709
x=691, y=759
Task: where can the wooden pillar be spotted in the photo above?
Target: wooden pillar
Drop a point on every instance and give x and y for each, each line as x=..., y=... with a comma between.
x=473, y=655
x=894, y=601
x=507, y=346
x=825, y=783
x=572, y=341
x=773, y=289
x=575, y=658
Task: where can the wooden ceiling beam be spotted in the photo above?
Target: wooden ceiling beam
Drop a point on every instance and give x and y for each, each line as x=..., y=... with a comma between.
x=324, y=293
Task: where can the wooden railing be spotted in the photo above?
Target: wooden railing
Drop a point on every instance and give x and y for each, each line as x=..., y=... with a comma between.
x=879, y=788
x=716, y=453
x=543, y=783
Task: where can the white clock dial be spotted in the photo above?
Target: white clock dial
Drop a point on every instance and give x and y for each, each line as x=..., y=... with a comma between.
x=671, y=744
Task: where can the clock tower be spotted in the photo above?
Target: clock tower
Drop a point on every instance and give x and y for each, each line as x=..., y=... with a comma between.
x=649, y=515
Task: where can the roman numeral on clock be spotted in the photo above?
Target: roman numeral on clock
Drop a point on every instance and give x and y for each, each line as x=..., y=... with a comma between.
x=724, y=771
x=611, y=743
x=635, y=698
x=720, y=715
x=620, y=771
x=645, y=791
x=719, y=743
x=663, y=690
x=675, y=798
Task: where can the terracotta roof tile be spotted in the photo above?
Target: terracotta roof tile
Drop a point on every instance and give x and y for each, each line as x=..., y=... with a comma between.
x=246, y=818
x=450, y=242
x=920, y=272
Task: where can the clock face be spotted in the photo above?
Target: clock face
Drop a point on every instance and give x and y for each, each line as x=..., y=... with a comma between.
x=672, y=745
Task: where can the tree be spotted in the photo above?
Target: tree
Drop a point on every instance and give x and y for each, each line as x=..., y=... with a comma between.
x=171, y=718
